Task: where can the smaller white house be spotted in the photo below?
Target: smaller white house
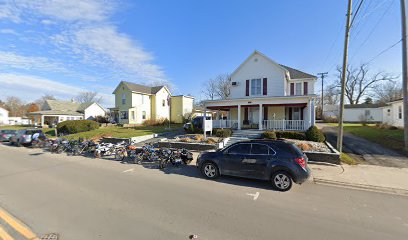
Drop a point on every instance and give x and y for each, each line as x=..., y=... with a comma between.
x=355, y=112
x=393, y=113
x=4, y=116
x=55, y=111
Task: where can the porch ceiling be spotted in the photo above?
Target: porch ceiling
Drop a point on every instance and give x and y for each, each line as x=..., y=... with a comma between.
x=226, y=108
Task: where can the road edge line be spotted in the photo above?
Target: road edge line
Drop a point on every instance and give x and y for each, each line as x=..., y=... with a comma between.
x=4, y=235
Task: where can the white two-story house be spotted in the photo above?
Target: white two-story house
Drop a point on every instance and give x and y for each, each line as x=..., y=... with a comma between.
x=266, y=95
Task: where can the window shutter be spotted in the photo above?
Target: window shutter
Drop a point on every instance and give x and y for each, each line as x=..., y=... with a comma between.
x=292, y=89
x=265, y=113
x=246, y=114
x=305, y=89
x=301, y=113
x=247, y=88
x=290, y=113
x=265, y=86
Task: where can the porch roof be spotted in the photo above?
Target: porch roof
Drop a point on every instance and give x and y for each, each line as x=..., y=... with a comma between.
x=257, y=105
x=56, y=112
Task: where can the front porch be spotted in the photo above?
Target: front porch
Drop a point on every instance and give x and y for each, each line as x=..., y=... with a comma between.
x=263, y=114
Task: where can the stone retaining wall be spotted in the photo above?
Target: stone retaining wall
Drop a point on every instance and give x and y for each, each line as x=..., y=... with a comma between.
x=333, y=157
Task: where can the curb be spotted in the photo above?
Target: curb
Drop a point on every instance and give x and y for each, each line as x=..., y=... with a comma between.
x=365, y=187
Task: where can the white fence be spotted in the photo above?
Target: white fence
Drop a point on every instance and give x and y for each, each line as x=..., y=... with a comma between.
x=225, y=124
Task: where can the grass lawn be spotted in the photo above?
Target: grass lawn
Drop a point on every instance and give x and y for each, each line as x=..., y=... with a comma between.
x=393, y=139
x=119, y=132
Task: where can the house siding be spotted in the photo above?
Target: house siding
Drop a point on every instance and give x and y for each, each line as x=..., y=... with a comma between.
x=262, y=68
x=93, y=111
x=161, y=112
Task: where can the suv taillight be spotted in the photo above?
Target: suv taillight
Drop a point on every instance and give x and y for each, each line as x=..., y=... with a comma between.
x=301, y=161
x=4, y=135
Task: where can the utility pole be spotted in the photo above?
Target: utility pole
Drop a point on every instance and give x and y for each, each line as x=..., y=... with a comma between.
x=404, y=70
x=343, y=77
x=322, y=75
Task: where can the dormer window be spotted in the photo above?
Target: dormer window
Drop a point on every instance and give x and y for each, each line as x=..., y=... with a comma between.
x=256, y=86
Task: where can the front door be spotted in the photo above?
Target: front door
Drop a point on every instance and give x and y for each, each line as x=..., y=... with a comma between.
x=254, y=115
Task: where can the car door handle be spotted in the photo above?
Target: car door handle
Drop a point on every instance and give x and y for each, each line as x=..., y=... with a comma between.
x=249, y=160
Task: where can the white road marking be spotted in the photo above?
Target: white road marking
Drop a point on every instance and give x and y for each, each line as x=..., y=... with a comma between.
x=129, y=170
x=255, y=195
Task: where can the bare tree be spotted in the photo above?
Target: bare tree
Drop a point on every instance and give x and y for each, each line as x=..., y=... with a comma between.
x=360, y=83
x=210, y=89
x=40, y=102
x=84, y=97
x=16, y=106
x=218, y=87
x=388, y=91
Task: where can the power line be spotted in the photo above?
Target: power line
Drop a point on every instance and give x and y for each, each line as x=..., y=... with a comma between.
x=383, y=51
x=355, y=15
x=372, y=30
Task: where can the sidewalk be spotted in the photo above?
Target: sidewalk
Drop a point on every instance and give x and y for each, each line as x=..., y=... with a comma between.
x=364, y=177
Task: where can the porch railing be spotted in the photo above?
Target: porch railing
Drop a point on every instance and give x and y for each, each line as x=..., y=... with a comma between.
x=225, y=124
x=284, y=125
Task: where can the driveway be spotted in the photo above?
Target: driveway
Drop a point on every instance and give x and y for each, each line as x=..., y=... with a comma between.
x=85, y=198
x=369, y=152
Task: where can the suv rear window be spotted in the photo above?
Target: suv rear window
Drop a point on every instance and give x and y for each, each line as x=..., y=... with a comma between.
x=288, y=150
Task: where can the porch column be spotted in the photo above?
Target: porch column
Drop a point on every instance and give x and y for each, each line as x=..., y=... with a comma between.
x=42, y=120
x=313, y=112
x=239, y=116
x=310, y=113
x=260, y=117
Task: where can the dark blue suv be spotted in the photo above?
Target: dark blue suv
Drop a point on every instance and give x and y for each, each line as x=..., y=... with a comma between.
x=277, y=161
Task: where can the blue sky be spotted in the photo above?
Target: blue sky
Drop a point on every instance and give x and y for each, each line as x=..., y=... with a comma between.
x=65, y=47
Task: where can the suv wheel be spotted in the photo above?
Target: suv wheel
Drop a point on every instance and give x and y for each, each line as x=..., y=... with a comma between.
x=281, y=181
x=210, y=170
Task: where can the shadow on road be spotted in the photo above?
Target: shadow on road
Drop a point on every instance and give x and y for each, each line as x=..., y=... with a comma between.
x=193, y=171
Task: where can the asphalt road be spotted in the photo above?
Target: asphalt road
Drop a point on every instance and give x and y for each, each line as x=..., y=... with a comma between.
x=84, y=198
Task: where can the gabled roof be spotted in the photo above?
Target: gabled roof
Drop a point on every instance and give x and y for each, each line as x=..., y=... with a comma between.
x=141, y=88
x=297, y=74
x=293, y=73
x=364, y=105
x=62, y=105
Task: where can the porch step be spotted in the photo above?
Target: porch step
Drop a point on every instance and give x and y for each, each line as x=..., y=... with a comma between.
x=248, y=134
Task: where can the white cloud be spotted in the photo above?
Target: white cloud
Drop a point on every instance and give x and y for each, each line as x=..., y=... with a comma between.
x=8, y=31
x=13, y=60
x=30, y=87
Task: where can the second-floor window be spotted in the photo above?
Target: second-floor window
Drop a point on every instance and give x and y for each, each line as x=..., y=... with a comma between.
x=256, y=86
x=164, y=103
x=399, y=112
x=299, y=88
x=123, y=98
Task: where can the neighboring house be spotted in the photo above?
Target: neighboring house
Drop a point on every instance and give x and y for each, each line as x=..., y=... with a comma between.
x=19, y=121
x=181, y=108
x=4, y=116
x=55, y=111
x=267, y=95
x=393, y=113
x=355, y=112
x=135, y=103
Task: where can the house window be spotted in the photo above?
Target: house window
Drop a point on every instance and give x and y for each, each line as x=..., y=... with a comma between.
x=164, y=103
x=399, y=112
x=367, y=113
x=123, y=99
x=144, y=115
x=256, y=86
x=388, y=112
x=298, y=88
x=80, y=118
x=296, y=114
x=123, y=115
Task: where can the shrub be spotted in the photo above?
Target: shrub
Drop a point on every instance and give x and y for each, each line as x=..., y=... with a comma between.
x=269, y=135
x=304, y=146
x=156, y=122
x=192, y=130
x=392, y=128
x=291, y=135
x=101, y=119
x=222, y=132
x=76, y=126
x=314, y=134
